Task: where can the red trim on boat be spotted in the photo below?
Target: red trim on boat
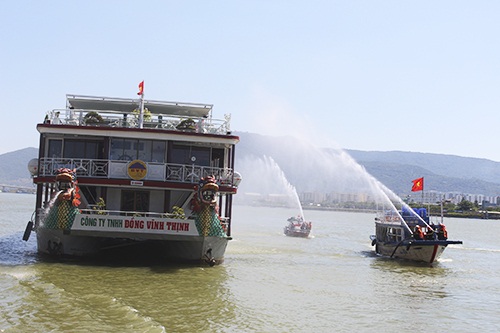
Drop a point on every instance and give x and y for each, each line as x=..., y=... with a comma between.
x=127, y=182
x=434, y=253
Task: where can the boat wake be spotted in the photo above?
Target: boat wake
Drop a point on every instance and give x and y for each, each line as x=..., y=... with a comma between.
x=479, y=249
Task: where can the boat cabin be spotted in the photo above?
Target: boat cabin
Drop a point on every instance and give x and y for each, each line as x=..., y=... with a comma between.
x=129, y=161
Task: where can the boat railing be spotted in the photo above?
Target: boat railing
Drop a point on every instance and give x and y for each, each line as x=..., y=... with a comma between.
x=110, y=118
x=117, y=169
x=389, y=217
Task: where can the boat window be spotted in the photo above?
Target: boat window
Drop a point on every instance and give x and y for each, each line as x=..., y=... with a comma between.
x=123, y=149
x=83, y=149
x=55, y=148
x=74, y=148
x=394, y=234
x=158, y=153
x=135, y=201
x=179, y=154
x=182, y=154
x=129, y=150
x=217, y=158
x=94, y=149
x=116, y=150
x=144, y=150
x=202, y=155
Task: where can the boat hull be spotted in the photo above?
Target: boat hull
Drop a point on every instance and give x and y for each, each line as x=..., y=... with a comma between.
x=297, y=233
x=420, y=251
x=188, y=249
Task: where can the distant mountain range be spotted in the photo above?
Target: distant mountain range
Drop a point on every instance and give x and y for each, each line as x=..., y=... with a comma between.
x=14, y=167
x=310, y=168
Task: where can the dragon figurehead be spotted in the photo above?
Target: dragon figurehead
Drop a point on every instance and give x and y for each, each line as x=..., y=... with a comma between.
x=207, y=191
x=204, y=205
x=66, y=183
x=63, y=209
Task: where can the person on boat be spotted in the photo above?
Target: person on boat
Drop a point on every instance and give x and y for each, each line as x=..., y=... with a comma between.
x=296, y=221
x=57, y=120
x=430, y=234
x=418, y=233
x=442, y=233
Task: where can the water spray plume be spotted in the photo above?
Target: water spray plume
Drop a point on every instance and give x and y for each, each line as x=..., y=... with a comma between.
x=267, y=180
x=328, y=172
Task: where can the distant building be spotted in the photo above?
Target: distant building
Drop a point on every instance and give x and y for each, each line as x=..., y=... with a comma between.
x=425, y=197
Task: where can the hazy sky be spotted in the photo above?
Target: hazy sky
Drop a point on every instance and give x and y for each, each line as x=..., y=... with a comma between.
x=420, y=76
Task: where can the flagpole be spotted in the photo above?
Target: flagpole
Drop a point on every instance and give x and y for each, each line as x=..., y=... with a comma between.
x=141, y=111
x=422, y=195
x=141, y=114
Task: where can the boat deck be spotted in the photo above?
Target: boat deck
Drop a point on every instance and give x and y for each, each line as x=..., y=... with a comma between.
x=82, y=110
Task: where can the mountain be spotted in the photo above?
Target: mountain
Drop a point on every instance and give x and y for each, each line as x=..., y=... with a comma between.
x=14, y=167
x=311, y=169
x=449, y=165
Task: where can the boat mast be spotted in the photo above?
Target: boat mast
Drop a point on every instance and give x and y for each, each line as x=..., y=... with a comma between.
x=442, y=201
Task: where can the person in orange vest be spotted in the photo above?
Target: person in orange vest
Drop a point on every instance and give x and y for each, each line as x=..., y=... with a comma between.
x=418, y=233
x=430, y=235
x=442, y=233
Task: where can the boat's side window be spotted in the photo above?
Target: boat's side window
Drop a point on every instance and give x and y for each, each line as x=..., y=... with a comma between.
x=159, y=150
x=217, y=158
x=143, y=150
x=74, y=148
x=83, y=149
x=122, y=150
x=184, y=154
x=129, y=150
x=394, y=234
x=202, y=155
x=179, y=154
x=55, y=148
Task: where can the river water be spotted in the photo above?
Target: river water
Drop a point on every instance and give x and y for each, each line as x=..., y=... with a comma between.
x=331, y=282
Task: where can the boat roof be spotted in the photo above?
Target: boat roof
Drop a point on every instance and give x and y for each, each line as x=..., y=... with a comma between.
x=128, y=105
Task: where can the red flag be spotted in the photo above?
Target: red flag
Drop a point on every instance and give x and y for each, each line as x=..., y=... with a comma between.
x=141, y=88
x=418, y=185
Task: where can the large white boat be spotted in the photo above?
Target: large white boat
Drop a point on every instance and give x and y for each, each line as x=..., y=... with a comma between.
x=134, y=177
x=408, y=234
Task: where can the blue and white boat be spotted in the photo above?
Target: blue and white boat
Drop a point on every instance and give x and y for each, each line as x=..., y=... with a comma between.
x=408, y=234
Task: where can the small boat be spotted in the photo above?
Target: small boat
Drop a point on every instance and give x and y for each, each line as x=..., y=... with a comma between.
x=134, y=177
x=297, y=227
x=408, y=234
